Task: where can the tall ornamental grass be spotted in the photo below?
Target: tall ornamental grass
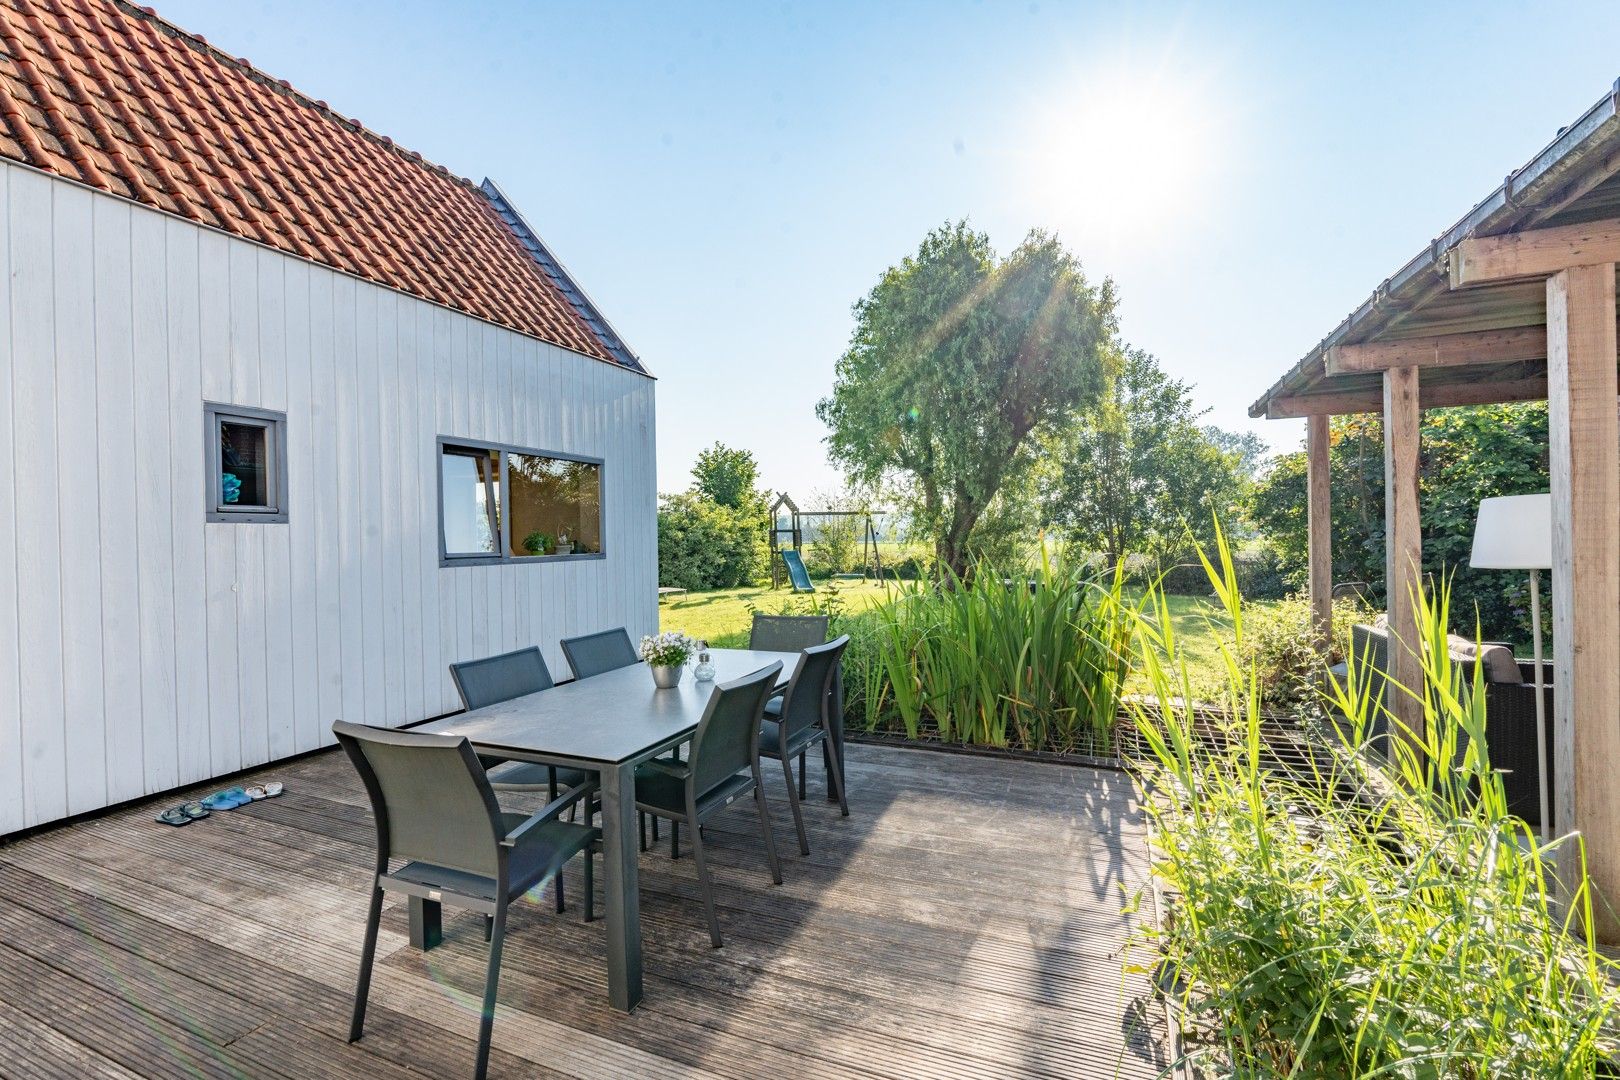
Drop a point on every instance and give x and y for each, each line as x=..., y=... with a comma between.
x=1410, y=931
x=1033, y=659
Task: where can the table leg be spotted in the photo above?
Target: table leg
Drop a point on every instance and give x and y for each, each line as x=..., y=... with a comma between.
x=427, y=929
x=621, y=885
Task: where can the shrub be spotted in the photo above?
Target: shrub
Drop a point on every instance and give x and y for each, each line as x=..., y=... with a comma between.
x=1279, y=643
x=992, y=661
x=836, y=545
x=704, y=545
x=1410, y=932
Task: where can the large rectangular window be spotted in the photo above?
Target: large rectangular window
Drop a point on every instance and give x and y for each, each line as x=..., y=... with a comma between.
x=247, y=463
x=556, y=506
x=502, y=503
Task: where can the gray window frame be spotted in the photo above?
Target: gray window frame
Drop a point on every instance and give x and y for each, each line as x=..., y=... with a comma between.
x=504, y=542
x=275, y=424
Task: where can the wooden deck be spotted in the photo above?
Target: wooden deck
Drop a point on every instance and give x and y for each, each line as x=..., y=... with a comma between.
x=964, y=922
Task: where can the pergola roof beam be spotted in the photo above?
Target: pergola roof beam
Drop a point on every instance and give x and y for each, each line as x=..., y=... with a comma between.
x=1485, y=260
x=1526, y=388
x=1442, y=350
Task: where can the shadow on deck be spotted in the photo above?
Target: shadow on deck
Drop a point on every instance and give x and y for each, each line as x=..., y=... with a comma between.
x=964, y=921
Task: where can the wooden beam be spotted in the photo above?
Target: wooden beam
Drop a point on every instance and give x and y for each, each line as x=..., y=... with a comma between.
x=1533, y=388
x=1320, y=529
x=1584, y=459
x=1483, y=260
x=1443, y=350
x=1403, y=545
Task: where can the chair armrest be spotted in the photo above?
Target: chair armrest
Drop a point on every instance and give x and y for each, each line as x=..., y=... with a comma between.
x=549, y=812
x=679, y=770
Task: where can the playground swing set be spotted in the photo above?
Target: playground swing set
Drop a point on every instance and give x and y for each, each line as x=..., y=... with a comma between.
x=787, y=542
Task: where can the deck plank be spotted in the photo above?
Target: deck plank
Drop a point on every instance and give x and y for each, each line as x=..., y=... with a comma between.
x=968, y=919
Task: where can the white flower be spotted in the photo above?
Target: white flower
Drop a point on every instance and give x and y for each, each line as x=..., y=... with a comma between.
x=669, y=649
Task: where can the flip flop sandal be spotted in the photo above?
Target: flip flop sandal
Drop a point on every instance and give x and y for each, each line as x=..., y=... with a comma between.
x=174, y=816
x=255, y=793
x=196, y=811
x=229, y=799
x=273, y=788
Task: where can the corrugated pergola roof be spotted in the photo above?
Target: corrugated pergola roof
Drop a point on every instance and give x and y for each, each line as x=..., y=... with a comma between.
x=1575, y=179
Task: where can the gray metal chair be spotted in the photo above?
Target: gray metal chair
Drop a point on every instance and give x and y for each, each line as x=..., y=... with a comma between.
x=805, y=719
x=722, y=767
x=592, y=654
x=787, y=633
x=435, y=810
x=495, y=679
x=792, y=633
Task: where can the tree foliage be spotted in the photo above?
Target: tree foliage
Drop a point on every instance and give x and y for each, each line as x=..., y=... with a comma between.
x=704, y=545
x=1138, y=475
x=712, y=536
x=1466, y=454
x=728, y=477
x=958, y=363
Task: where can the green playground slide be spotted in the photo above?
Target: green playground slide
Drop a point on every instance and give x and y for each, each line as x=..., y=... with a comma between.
x=797, y=574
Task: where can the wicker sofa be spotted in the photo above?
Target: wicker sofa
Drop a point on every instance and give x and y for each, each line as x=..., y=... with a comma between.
x=1510, y=714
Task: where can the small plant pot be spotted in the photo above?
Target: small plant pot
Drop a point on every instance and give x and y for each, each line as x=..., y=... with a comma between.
x=667, y=677
x=565, y=549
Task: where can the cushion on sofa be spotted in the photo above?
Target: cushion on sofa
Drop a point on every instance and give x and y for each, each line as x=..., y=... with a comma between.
x=1497, y=659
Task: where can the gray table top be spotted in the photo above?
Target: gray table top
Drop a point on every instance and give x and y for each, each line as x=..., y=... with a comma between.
x=609, y=718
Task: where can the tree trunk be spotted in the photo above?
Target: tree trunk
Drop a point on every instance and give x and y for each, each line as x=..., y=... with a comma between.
x=950, y=547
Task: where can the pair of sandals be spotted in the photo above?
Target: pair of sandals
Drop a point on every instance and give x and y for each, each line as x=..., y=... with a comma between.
x=229, y=799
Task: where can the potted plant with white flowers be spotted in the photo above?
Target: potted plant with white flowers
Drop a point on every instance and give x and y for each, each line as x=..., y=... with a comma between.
x=667, y=655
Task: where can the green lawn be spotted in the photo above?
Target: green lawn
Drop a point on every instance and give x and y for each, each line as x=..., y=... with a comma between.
x=722, y=618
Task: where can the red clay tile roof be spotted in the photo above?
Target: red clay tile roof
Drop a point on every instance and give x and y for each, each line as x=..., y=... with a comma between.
x=110, y=95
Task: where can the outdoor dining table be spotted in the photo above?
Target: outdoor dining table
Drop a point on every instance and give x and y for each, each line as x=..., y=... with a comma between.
x=608, y=724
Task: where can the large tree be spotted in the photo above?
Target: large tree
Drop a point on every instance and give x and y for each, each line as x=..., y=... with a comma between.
x=959, y=361
x=1138, y=475
x=727, y=476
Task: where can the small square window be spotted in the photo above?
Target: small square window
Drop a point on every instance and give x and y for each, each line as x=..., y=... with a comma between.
x=247, y=463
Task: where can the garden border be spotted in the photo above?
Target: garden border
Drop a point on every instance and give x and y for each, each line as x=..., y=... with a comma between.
x=1049, y=757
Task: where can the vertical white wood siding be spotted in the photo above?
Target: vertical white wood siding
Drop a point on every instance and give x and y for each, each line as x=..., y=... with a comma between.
x=142, y=647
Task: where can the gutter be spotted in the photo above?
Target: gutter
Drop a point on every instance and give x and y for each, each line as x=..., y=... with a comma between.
x=1578, y=150
x=560, y=277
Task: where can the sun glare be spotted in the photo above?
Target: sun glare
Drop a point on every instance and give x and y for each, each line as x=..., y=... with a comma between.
x=1124, y=153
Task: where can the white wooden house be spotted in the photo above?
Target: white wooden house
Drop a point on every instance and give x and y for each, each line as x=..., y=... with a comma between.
x=281, y=404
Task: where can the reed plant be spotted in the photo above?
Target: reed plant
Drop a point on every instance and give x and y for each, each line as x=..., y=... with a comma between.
x=1027, y=657
x=1337, y=914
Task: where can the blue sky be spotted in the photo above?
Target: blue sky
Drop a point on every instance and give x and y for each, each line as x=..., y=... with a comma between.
x=726, y=180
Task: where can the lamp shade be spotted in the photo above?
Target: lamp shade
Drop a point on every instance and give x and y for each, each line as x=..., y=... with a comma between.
x=1514, y=532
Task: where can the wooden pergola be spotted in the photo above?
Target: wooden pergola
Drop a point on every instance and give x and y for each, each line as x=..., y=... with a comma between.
x=1515, y=302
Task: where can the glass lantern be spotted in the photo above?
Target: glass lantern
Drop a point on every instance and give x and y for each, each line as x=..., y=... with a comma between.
x=704, y=672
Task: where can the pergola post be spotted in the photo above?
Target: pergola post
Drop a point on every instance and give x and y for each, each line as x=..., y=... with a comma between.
x=1584, y=460
x=1319, y=527
x=1403, y=544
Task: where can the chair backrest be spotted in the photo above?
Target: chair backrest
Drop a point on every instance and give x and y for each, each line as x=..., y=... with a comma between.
x=430, y=797
x=787, y=633
x=806, y=700
x=501, y=678
x=727, y=738
x=593, y=654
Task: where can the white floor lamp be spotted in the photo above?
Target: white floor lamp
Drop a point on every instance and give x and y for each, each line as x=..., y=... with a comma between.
x=1514, y=532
